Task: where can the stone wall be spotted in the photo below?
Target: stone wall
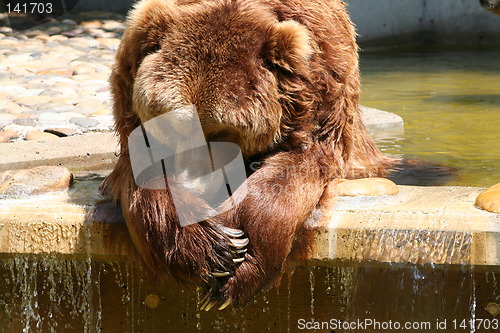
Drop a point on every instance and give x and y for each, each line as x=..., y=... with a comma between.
x=386, y=22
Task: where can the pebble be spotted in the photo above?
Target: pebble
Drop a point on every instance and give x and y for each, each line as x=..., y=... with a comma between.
x=21, y=130
x=12, y=90
x=6, y=118
x=69, y=22
x=109, y=42
x=366, y=187
x=56, y=71
x=25, y=122
x=36, y=135
x=32, y=100
x=50, y=93
x=61, y=132
x=33, y=181
x=489, y=199
x=6, y=136
x=49, y=119
x=83, y=69
x=14, y=108
x=84, y=122
x=91, y=24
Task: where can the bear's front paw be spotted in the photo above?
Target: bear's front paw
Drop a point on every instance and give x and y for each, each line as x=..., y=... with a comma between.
x=220, y=275
x=248, y=280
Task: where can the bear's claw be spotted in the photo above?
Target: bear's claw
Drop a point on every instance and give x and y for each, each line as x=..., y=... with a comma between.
x=238, y=245
x=236, y=233
x=225, y=304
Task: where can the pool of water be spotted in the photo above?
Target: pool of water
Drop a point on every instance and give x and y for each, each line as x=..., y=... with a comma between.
x=450, y=103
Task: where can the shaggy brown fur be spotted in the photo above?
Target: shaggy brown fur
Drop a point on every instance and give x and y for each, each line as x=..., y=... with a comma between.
x=277, y=77
x=491, y=5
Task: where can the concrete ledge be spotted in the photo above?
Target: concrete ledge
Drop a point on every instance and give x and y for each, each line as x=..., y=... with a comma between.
x=89, y=152
x=436, y=225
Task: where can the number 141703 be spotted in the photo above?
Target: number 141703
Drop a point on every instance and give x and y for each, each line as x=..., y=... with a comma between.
x=30, y=8
x=485, y=324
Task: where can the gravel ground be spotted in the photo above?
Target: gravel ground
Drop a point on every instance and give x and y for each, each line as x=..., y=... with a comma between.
x=54, y=77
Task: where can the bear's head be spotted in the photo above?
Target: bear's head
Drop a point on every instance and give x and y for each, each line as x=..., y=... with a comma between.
x=234, y=61
x=491, y=5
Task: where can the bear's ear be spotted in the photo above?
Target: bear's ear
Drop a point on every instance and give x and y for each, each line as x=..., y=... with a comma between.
x=146, y=26
x=288, y=45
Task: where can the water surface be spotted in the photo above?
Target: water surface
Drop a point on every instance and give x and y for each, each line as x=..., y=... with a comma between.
x=450, y=102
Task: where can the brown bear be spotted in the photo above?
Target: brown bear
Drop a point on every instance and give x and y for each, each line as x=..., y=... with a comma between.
x=491, y=5
x=280, y=79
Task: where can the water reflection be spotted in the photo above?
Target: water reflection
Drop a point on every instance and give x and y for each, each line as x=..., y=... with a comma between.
x=450, y=102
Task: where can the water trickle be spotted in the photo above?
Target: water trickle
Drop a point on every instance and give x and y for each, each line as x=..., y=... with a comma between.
x=311, y=285
x=288, y=298
x=265, y=299
x=198, y=310
x=473, y=302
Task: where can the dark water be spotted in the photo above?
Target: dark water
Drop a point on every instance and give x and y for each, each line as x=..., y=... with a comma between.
x=450, y=102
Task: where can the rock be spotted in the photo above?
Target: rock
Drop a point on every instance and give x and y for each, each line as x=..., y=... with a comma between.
x=50, y=93
x=37, y=180
x=66, y=91
x=21, y=130
x=40, y=136
x=12, y=90
x=109, y=42
x=113, y=25
x=84, y=122
x=381, y=123
x=61, y=132
x=32, y=100
x=95, y=24
x=103, y=89
x=90, y=107
x=6, y=118
x=69, y=22
x=43, y=37
x=6, y=136
x=56, y=71
x=52, y=119
x=82, y=69
x=366, y=187
x=33, y=33
x=54, y=30
x=489, y=199
x=32, y=92
x=14, y=108
x=102, y=112
x=57, y=38
x=25, y=122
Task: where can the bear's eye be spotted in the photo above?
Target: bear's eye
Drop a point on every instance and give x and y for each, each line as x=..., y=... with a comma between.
x=251, y=84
